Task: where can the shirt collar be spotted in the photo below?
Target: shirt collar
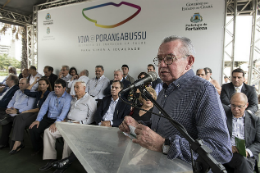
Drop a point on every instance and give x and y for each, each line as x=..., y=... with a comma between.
x=115, y=100
x=183, y=79
x=100, y=77
x=240, y=87
x=240, y=117
x=86, y=95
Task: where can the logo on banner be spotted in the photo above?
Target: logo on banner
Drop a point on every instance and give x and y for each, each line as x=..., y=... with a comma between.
x=116, y=5
x=48, y=16
x=196, y=18
x=48, y=30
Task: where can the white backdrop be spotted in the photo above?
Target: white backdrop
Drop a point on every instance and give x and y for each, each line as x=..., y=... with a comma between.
x=66, y=37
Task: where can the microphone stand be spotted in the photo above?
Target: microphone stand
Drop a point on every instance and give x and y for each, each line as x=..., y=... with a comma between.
x=205, y=161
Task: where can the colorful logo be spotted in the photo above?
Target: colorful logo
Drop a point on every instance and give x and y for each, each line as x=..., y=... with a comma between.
x=116, y=5
x=48, y=30
x=48, y=16
x=196, y=18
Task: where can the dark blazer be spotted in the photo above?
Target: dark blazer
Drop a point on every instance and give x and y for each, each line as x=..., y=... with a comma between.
x=122, y=109
x=228, y=90
x=130, y=79
x=252, y=131
x=157, y=81
x=52, y=79
x=8, y=96
x=125, y=82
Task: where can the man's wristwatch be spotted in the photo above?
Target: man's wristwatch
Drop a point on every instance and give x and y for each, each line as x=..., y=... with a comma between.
x=166, y=146
x=17, y=111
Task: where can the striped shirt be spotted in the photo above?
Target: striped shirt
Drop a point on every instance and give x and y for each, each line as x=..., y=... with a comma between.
x=194, y=103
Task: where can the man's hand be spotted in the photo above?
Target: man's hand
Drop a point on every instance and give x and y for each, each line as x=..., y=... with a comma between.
x=234, y=149
x=106, y=123
x=60, y=74
x=53, y=128
x=148, y=138
x=247, y=154
x=37, y=123
x=124, y=126
x=36, y=79
x=74, y=77
x=11, y=111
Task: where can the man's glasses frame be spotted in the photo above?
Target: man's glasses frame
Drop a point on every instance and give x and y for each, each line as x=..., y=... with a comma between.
x=168, y=59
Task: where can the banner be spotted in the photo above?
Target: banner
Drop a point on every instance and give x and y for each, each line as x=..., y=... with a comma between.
x=113, y=33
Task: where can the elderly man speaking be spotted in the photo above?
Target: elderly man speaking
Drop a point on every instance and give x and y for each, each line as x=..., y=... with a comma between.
x=189, y=100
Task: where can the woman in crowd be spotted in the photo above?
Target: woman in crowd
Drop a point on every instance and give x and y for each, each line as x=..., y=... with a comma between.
x=26, y=118
x=73, y=71
x=147, y=105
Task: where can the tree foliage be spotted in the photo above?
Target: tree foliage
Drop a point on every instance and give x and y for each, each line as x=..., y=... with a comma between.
x=6, y=61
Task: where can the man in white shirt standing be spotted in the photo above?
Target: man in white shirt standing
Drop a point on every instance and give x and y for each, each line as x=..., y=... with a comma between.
x=82, y=109
x=34, y=76
x=97, y=85
x=237, y=85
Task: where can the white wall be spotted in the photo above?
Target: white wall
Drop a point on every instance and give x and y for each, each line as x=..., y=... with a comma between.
x=157, y=19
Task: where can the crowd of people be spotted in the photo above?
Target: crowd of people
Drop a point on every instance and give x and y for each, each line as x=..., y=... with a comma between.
x=210, y=112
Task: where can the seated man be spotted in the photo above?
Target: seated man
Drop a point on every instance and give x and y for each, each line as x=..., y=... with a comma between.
x=12, y=86
x=34, y=75
x=112, y=110
x=48, y=73
x=83, y=76
x=157, y=84
x=201, y=73
x=118, y=75
x=83, y=107
x=97, y=85
x=11, y=70
x=55, y=108
x=125, y=70
x=237, y=85
x=19, y=103
x=246, y=126
x=64, y=73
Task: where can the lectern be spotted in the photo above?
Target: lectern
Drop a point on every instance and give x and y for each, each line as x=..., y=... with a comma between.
x=107, y=150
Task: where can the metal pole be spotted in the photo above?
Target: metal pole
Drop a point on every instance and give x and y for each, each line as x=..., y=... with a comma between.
x=224, y=36
x=252, y=46
x=234, y=38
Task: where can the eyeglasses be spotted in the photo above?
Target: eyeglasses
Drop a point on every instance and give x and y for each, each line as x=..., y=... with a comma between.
x=168, y=59
x=237, y=106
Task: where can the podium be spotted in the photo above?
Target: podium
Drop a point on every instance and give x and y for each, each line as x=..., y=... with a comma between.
x=107, y=150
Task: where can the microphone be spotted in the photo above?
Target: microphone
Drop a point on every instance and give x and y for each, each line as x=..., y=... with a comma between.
x=150, y=77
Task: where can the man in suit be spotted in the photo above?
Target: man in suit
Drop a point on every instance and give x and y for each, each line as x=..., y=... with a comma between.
x=155, y=83
x=246, y=126
x=12, y=83
x=48, y=72
x=126, y=76
x=237, y=85
x=112, y=110
x=118, y=75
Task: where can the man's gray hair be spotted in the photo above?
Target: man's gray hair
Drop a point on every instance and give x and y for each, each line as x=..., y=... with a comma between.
x=82, y=83
x=100, y=66
x=67, y=67
x=118, y=70
x=12, y=68
x=187, y=46
x=86, y=72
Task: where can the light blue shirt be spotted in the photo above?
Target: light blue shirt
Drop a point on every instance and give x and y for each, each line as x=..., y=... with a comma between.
x=158, y=88
x=238, y=130
x=57, y=107
x=21, y=101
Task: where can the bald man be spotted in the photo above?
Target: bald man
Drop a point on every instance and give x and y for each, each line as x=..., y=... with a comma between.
x=246, y=126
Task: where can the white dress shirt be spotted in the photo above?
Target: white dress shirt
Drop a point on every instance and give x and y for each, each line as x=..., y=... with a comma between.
x=238, y=130
x=110, y=112
x=238, y=89
x=5, y=92
x=82, y=110
x=96, y=87
x=32, y=78
x=72, y=83
x=67, y=78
